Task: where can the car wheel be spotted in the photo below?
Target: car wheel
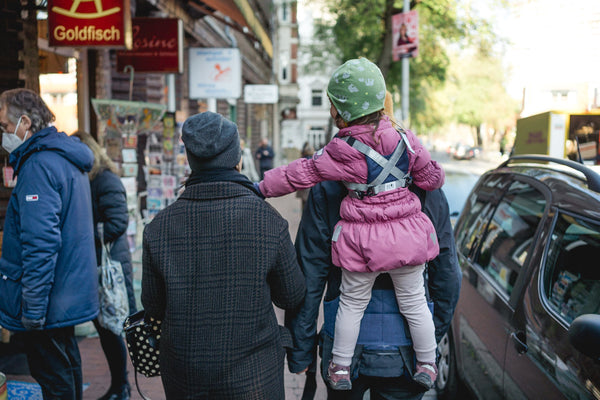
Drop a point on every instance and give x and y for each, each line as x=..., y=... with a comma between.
x=447, y=384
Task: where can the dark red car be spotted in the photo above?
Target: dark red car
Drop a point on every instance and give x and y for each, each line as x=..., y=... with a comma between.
x=527, y=325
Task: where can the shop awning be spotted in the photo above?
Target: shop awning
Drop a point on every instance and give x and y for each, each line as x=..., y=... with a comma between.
x=241, y=12
x=228, y=8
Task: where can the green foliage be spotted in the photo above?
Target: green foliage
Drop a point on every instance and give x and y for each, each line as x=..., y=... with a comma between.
x=477, y=93
x=360, y=28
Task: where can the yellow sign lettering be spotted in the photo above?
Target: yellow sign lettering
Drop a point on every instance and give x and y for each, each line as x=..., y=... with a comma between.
x=87, y=33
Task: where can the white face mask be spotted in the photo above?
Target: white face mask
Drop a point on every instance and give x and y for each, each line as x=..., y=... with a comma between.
x=10, y=141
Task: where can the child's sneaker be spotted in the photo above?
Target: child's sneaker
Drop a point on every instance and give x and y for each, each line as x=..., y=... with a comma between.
x=339, y=377
x=426, y=374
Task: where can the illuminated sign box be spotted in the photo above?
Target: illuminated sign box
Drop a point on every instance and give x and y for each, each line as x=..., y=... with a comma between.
x=89, y=23
x=215, y=73
x=157, y=46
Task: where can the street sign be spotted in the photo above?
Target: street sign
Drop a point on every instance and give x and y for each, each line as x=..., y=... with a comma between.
x=261, y=94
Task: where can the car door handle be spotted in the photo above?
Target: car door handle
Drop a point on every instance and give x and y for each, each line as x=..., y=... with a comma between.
x=520, y=345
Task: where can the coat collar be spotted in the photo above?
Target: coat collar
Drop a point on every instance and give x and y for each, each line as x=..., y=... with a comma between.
x=215, y=190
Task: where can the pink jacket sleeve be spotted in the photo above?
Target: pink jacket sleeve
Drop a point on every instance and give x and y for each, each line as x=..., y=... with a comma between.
x=426, y=173
x=335, y=162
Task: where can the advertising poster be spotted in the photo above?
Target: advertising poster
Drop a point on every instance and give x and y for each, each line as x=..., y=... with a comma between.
x=405, y=34
x=215, y=73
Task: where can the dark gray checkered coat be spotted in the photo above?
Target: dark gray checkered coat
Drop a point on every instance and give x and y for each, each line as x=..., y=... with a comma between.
x=214, y=262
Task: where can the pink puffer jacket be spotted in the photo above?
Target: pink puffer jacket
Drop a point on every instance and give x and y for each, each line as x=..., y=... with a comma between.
x=377, y=233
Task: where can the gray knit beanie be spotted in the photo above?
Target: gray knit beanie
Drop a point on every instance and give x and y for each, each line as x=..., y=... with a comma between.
x=211, y=141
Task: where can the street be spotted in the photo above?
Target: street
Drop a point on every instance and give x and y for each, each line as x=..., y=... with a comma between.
x=166, y=92
x=460, y=176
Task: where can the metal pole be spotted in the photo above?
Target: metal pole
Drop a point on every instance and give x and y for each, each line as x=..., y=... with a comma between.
x=405, y=77
x=212, y=104
x=171, y=105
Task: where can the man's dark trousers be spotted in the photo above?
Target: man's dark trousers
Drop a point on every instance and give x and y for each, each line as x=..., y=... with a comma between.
x=400, y=388
x=55, y=362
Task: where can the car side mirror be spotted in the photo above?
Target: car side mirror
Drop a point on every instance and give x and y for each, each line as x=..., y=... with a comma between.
x=584, y=335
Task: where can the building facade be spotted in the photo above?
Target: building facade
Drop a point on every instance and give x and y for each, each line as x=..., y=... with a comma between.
x=87, y=73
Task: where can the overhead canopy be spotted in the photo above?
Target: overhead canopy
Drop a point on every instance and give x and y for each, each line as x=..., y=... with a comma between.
x=242, y=13
x=229, y=8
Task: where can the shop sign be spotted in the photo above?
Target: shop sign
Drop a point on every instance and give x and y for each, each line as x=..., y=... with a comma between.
x=89, y=23
x=157, y=46
x=215, y=73
x=261, y=94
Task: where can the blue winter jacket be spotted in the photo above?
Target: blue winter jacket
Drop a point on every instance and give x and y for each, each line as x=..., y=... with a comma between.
x=48, y=266
x=384, y=347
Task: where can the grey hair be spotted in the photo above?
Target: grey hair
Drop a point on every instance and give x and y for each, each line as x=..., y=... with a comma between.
x=19, y=102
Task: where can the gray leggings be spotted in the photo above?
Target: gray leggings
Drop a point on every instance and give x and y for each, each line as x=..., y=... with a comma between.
x=410, y=294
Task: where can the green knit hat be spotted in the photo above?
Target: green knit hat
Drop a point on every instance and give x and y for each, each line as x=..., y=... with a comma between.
x=356, y=89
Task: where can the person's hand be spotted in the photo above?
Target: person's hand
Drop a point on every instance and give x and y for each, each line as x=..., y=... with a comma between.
x=33, y=324
x=257, y=188
x=303, y=371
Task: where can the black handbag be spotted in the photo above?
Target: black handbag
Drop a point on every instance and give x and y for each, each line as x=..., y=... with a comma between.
x=143, y=343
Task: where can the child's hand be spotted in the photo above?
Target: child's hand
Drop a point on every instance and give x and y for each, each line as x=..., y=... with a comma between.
x=257, y=188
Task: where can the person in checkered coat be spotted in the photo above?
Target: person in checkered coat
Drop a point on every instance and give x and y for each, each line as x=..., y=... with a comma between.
x=214, y=263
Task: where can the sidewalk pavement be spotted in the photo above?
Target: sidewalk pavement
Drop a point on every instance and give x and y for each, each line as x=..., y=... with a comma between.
x=96, y=375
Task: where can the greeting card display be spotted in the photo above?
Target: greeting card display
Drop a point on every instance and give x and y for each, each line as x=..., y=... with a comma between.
x=129, y=155
x=129, y=169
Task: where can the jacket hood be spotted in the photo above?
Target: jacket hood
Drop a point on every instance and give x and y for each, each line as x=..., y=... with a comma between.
x=69, y=147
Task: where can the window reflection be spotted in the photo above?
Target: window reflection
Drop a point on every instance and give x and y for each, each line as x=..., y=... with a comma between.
x=507, y=241
x=571, y=274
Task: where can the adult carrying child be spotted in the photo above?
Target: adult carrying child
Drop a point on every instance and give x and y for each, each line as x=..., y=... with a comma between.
x=382, y=227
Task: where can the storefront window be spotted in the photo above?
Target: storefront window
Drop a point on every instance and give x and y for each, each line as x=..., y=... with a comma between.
x=59, y=91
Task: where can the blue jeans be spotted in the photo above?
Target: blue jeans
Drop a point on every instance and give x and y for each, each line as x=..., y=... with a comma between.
x=54, y=362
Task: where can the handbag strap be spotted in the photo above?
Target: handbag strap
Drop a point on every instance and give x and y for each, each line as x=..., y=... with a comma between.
x=137, y=385
x=106, y=246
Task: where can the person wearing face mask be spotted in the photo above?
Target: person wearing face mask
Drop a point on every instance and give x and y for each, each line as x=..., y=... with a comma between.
x=48, y=265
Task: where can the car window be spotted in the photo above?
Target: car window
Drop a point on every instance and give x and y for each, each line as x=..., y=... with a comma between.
x=477, y=212
x=508, y=238
x=571, y=276
x=474, y=224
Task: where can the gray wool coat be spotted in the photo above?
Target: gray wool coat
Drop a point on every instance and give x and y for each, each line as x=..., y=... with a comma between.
x=214, y=262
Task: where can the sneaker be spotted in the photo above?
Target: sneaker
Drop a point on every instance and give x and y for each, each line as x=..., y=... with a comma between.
x=425, y=375
x=339, y=377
